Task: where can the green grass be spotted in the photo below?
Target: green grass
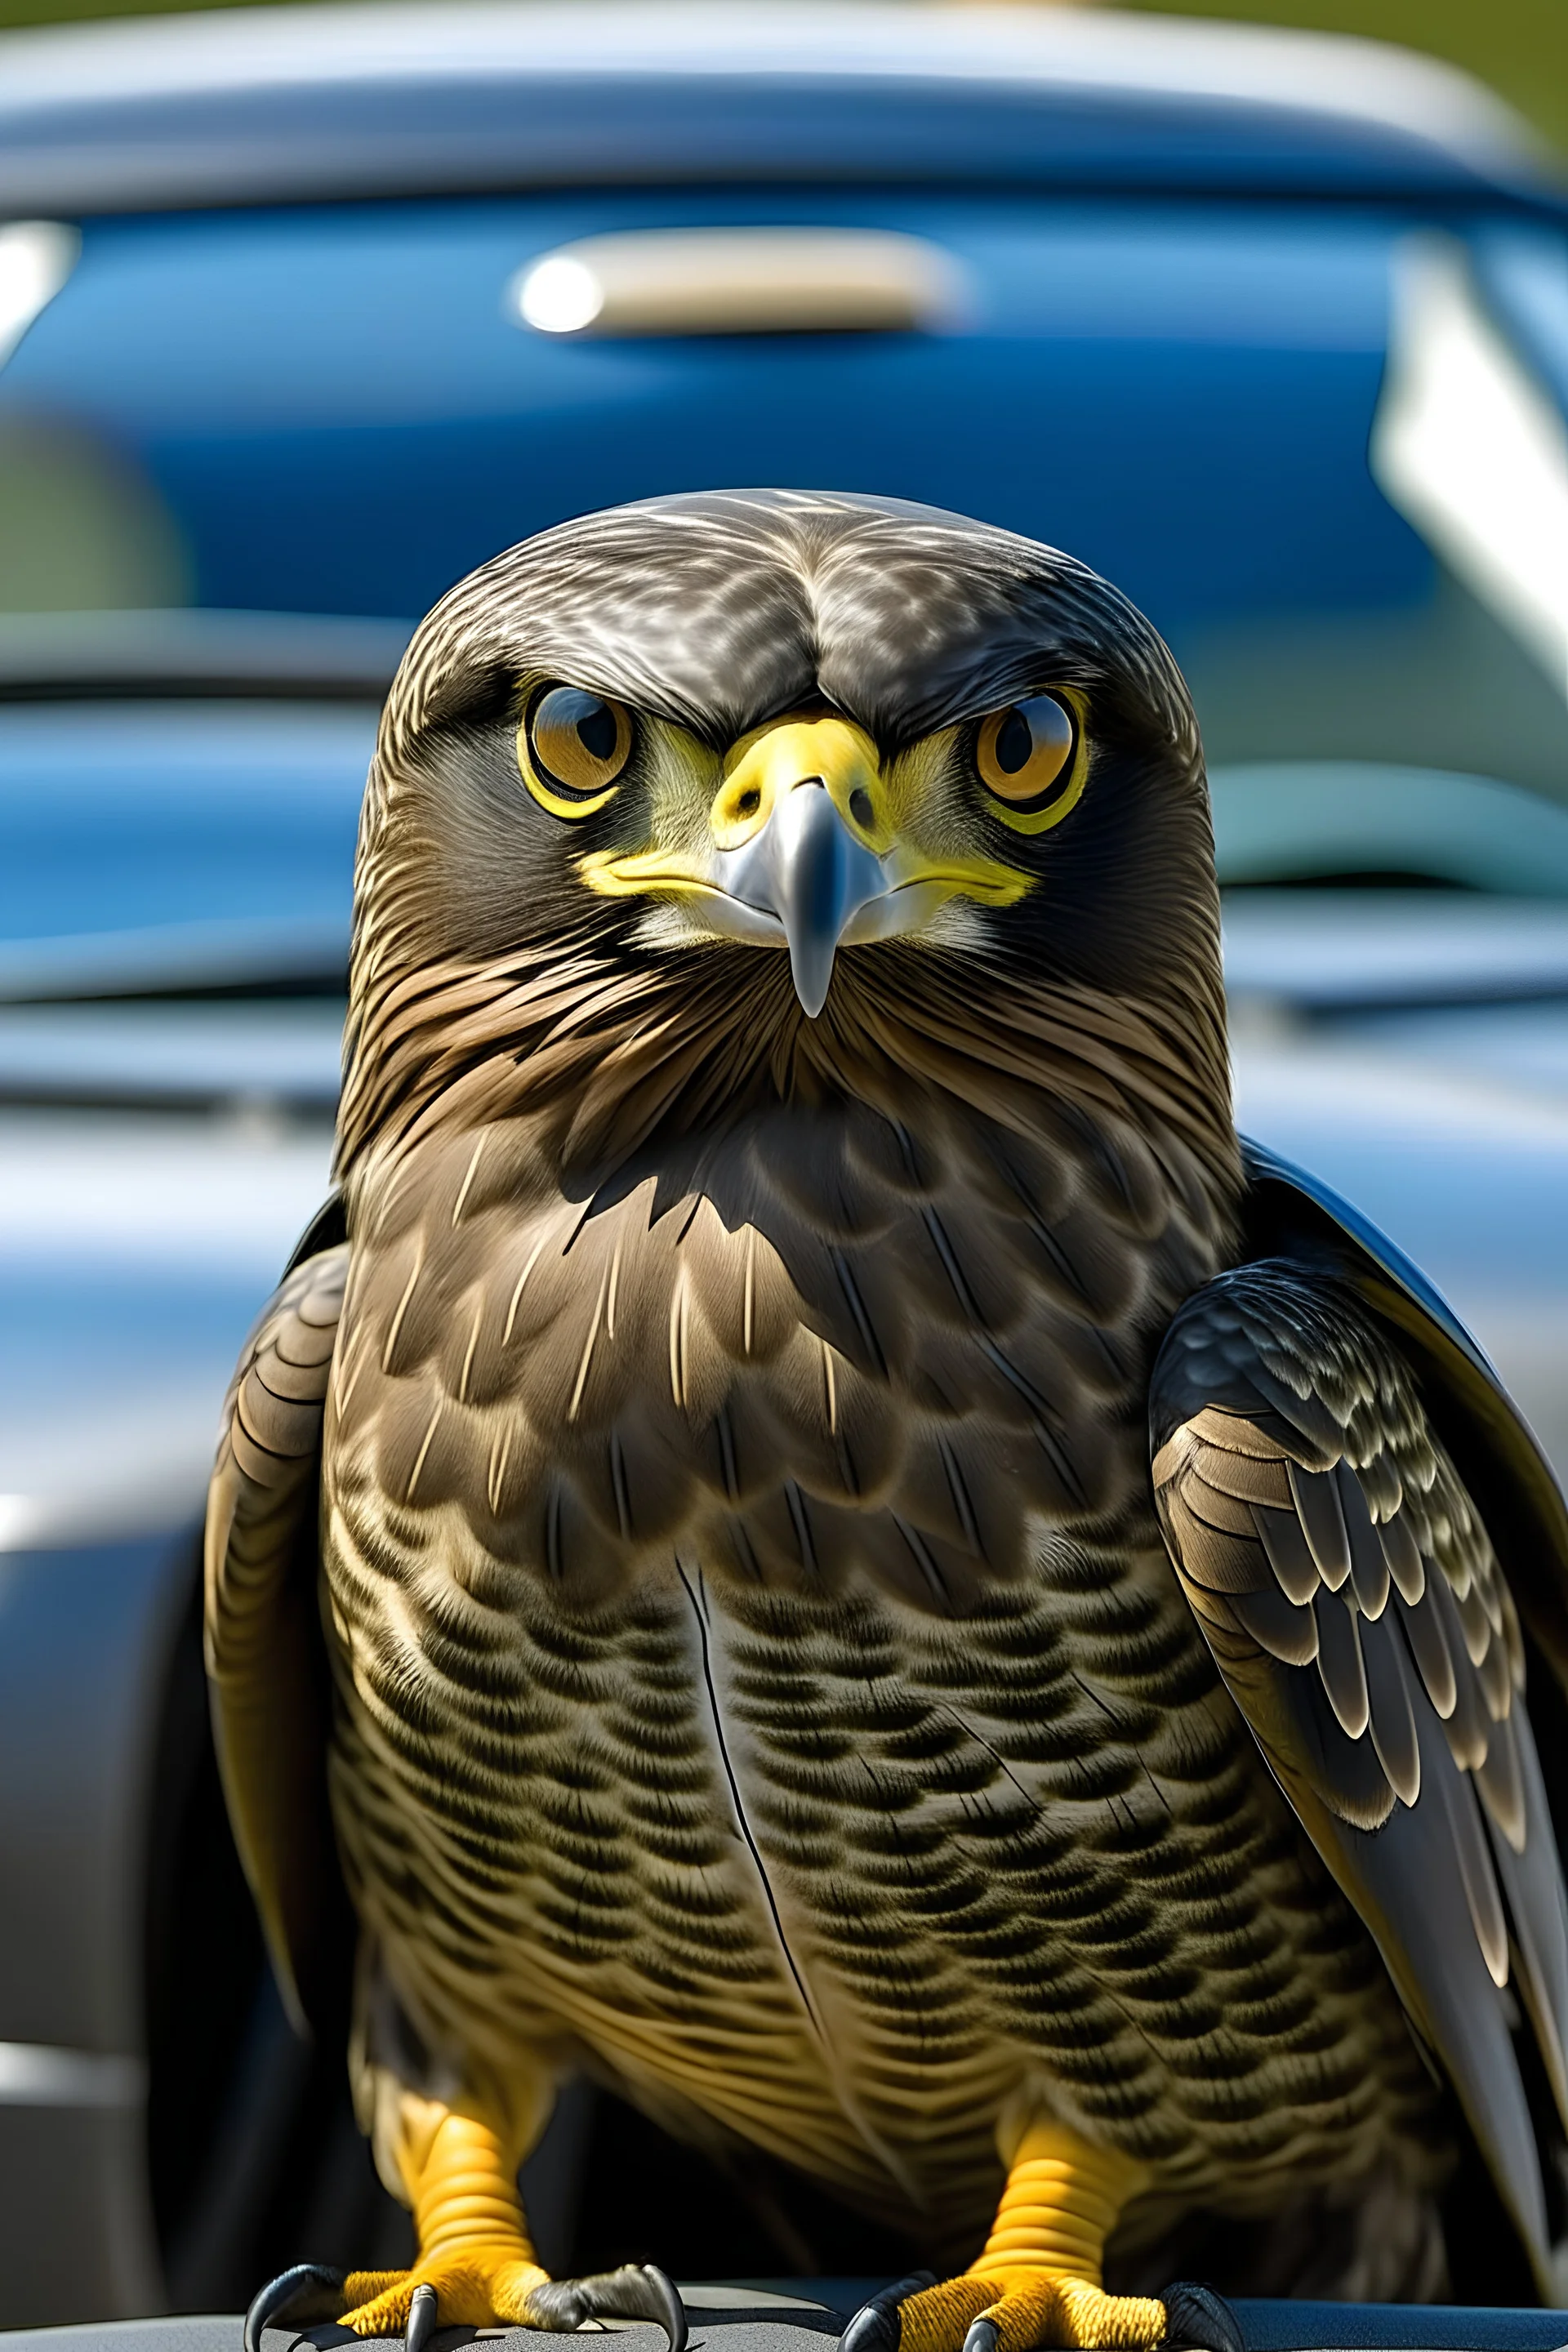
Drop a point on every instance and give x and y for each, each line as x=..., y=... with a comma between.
x=1520, y=46
x=61, y=12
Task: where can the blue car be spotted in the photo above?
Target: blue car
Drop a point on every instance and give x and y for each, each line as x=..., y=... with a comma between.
x=304, y=314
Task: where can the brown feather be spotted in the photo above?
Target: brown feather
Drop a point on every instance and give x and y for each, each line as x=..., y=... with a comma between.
x=1403, y=1553
x=1317, y=1500
x=1423, y=1628
x=1391, y=1717
x=1369, y=1564
x=1428, y=1878
x=262, y=1636
x=1340, y=1661
x=1288, y=1554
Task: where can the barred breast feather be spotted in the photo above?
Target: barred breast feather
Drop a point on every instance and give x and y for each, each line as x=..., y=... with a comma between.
x=763, y=1675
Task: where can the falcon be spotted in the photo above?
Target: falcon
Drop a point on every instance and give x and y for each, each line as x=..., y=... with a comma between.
x=811, y=1536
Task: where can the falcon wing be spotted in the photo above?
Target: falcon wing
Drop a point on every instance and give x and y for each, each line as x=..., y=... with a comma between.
x=265, y=1661
x=1355, y=1608
x=1289, y=1212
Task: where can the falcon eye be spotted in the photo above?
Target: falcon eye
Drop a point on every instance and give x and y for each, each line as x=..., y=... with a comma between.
x=571, y=749
x=1030, y=757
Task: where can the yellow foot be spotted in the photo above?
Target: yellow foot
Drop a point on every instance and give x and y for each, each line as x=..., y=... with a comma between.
x=1037, y=2286
x=1038, y=2309
x=475, y=2265
x=1021, y=2310
x=480, y=2286
x=459, y=2287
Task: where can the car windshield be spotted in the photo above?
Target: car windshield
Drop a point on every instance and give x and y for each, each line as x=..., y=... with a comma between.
x=1227, y=407
x=1280, y=425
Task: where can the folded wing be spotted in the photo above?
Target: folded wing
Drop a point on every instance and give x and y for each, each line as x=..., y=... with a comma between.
x=266, y=1660
x=1354, y=1606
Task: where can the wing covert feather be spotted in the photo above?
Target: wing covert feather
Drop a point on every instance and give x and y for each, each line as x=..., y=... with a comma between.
x=265, y=1657
x=1360, y=1621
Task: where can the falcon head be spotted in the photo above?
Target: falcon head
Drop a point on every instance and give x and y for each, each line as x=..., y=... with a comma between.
x=779, y=758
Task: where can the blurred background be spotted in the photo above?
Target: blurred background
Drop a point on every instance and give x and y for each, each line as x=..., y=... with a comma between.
x=1519, y=47
x=306, y=310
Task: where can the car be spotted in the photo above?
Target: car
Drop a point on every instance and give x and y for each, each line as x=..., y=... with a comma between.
x=306, y=312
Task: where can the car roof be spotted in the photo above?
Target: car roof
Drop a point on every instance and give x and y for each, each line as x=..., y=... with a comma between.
x=270, y=104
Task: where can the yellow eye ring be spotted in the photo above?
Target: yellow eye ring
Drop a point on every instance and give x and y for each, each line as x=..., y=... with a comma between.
x=1031, y=759
x=571, y=748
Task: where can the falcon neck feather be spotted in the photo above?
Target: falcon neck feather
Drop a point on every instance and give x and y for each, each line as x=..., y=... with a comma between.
x=609, y=1061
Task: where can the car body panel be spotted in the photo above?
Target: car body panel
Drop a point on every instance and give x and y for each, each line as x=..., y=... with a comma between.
x=138, y=841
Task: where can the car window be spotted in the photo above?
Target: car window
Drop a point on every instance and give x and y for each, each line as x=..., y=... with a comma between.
x=341, y=411
x=338, y=409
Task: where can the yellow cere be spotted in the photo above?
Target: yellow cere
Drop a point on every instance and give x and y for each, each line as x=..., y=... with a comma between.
x=771, y=761
x=905, y=813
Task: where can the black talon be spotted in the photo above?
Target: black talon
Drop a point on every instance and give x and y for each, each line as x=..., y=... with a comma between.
x=982, y=2336
x=671, y=2312
x=422, y=2317
x=308, y=2292
x=875, y=2327
x=637, y=2291
x=1199, y=2320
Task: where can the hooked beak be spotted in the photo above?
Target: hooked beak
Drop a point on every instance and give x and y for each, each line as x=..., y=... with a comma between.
x=803, y=852
x=807, y=870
